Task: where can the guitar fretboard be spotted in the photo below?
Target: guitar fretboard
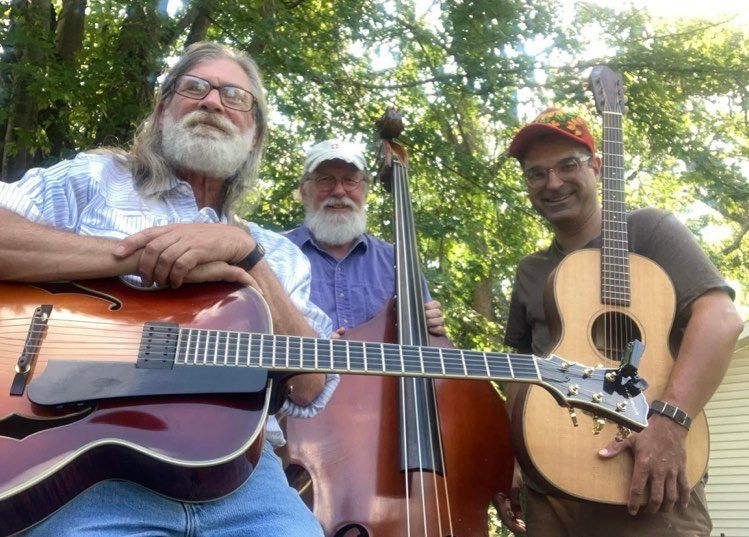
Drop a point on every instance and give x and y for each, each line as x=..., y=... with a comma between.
x=615, y=287
x=240, y=349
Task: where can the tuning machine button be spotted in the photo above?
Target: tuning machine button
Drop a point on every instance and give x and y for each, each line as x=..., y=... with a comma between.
x=598, y=424
x=573, y=416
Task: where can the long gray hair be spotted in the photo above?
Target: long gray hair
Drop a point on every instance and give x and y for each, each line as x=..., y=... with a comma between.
x=152, y=173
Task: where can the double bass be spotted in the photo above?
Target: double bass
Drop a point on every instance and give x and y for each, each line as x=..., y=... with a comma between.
x=407, y=456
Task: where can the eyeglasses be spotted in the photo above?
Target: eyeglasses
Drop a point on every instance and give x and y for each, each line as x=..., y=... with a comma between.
x=566, y=169
x=326, y=183
x=197, y=88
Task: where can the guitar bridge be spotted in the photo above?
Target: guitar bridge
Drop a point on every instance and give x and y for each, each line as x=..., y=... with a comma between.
x=31, y=346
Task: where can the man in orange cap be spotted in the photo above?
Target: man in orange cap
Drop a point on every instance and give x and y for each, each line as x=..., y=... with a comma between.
x=560, y=167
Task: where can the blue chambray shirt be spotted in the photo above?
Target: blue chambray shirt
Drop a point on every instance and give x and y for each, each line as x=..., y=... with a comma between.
x=351, y=290
x=93, y=195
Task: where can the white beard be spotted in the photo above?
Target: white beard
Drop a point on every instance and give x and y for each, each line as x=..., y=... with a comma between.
x=193, y=145
x=336, y=228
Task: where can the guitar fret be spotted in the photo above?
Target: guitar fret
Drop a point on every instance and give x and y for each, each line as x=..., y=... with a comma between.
x=364, y=346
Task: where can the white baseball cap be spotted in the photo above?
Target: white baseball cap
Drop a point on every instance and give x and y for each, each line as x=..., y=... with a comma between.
x=334, y=149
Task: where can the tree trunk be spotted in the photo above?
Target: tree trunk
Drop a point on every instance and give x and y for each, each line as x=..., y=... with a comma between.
x=68, y=41
x=31, y=20
x=200, y=23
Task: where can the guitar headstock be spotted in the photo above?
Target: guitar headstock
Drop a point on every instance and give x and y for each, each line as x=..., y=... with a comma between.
x=608, y=89
x=605, y=392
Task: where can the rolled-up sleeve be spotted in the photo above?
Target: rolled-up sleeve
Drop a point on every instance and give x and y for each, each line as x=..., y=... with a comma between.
x=292, y=269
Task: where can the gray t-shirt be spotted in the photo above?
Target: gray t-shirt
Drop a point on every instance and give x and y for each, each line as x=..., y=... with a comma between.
x=653, y=233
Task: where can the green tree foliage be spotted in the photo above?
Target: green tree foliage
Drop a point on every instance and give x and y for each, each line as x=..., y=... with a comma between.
x=80, y=73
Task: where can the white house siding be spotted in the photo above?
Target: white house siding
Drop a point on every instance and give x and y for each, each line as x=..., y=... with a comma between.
x=728, y=416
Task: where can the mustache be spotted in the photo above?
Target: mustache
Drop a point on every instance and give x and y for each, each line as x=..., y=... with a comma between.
x=331, y=201
x=201, y=117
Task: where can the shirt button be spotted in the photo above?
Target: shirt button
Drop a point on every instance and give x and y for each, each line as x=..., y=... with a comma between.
x=340, y=295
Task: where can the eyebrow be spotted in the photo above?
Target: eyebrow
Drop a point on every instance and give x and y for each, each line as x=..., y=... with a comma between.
x=557, y=163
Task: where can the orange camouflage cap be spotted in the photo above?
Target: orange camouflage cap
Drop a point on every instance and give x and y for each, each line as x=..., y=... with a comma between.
x=552, y=121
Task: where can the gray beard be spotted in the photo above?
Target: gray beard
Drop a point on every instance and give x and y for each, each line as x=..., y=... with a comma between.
x=199, y=148
x=336, y=229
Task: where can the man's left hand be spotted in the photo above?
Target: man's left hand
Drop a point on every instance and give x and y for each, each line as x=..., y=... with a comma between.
x=435, y=321
x=171, y=252
x=659, y=475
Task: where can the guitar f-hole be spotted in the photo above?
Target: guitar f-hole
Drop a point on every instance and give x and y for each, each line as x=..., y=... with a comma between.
x=611, y=332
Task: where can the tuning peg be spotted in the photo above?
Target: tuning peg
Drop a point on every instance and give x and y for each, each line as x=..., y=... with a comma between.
x=598, y=424
x=587, y=372
x=622, y=432
x=573, y=416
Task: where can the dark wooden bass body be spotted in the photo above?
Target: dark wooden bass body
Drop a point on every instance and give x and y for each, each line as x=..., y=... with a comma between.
x=351, y=451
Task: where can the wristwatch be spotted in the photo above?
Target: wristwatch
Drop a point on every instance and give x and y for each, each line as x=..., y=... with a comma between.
x=252, y=258
x=670, y=411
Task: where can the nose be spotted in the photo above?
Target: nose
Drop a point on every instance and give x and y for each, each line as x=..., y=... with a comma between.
x=212, y=101
x=553, y=182
x=338, y=189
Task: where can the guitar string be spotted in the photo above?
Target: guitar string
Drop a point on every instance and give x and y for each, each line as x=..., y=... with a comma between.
x=411, y=295
x=521, y=362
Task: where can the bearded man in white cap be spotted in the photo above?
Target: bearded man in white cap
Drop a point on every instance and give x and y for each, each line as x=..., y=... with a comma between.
x=352, y=271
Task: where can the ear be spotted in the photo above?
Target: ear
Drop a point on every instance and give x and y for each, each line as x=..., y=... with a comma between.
x=595, y=163
x=160, y=115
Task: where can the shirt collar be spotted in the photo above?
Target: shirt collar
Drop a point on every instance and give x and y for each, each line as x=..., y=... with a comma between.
x=307, y=237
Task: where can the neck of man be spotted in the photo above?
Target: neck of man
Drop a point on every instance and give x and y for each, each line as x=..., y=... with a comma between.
x=337, y=251
x=575, y=235
x=208, y=191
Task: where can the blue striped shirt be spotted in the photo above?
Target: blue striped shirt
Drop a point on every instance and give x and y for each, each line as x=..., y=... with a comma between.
x=93, y=195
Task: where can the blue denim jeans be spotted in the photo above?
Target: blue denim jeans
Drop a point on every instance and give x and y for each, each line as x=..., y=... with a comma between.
x=264, y=506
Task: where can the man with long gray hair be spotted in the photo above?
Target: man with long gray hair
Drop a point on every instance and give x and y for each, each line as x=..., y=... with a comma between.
x=162, y=213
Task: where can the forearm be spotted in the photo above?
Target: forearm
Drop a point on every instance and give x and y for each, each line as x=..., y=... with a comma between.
x=35, y=252
x=705, y=352
x=286, y=318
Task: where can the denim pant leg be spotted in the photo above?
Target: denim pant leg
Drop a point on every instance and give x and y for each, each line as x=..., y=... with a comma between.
x=263, y=506
x=114, y=509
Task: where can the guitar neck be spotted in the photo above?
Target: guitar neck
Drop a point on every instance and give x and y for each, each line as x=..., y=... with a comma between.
x=615, y=287
x=211, y=348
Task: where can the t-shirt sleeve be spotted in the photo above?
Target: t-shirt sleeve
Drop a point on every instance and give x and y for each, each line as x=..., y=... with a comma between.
x=518, y=333
x=672, y=246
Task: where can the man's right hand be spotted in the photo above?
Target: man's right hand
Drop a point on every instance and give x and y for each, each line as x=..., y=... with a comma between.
x=170, y=253
x=508, y=507
x=220, y=271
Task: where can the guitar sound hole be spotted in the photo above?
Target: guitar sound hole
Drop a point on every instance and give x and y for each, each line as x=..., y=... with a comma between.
x=611, y=332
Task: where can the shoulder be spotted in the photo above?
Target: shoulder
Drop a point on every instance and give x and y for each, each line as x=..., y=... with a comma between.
x=647, y=217
x=298, y=235
x=376, y=244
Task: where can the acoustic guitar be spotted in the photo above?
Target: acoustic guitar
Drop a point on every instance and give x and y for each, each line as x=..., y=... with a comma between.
x=597, y=301
x=170, y=388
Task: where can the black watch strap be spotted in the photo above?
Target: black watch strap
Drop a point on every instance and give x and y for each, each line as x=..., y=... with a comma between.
x=670, y=411
x=252, y=258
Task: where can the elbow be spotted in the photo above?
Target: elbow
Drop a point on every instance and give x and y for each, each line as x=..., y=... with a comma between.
x=735, y=324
